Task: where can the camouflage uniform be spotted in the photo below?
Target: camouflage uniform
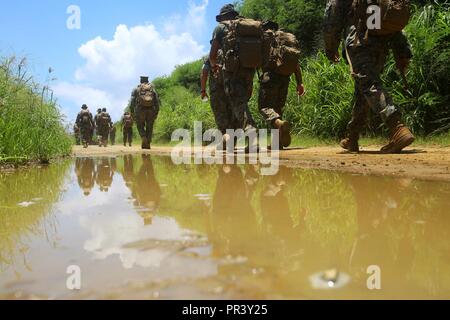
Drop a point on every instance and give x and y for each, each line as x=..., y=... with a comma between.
x=104, y=127
x=145, y=116
x=273, y=93
x=127, y=129
x=238, y=87
x=85, y=122
x=219, y=101
x=367, y=60
x=76, y=132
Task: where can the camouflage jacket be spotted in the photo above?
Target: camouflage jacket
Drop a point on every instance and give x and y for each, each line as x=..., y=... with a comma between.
x=340, y=19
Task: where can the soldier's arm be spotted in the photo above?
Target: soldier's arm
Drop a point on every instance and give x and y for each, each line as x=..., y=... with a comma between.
x=133, y=101
x=216, y=44
x=204, y=80
x=402, y=51
x=336, y=19
x=158, y=101
x=299, y=81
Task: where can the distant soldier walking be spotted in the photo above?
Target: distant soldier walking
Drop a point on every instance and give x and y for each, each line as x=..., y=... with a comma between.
x=104, y=127
x=96, y=119
x=86, y=124
x=127, y=129
x=144, y=108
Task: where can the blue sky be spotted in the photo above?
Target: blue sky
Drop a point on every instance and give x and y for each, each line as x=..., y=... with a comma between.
x=118, y=41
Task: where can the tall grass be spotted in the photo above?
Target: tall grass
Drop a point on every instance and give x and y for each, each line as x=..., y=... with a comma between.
x=31, y=126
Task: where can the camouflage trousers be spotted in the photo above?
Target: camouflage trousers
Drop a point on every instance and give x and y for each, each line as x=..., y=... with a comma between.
x=127, y=135
x=145, y=119
x=238, y=89
x=103, y=134
x=220, y=105
x=86, y=134
x=367, y=61
x=273, y=93
x=112, y=138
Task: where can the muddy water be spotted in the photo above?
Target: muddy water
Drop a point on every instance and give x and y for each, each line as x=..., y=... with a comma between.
x=140, y=227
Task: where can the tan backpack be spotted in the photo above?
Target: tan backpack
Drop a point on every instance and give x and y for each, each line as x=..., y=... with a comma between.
x=243, y=44
x=285, y=54
x=146, y=95
x=127, y=121
x=395, y=15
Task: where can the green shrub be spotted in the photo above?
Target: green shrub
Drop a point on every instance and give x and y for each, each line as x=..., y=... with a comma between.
x=31, y=125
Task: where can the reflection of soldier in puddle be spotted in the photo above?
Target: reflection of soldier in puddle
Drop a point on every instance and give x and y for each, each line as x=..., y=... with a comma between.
x=85, y=171
x=276, y=213
x=105, y=173
x=128, y=170
x=384, y=227
x=146, y=191
x=234, y=230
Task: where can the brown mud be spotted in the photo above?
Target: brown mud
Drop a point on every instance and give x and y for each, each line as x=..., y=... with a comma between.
x=425, y=163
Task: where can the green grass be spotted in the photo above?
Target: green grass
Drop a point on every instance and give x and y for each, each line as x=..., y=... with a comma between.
x=31, y=125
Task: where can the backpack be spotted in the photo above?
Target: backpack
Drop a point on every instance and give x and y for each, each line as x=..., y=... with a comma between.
x=85, y=117
x=146, y=95
x=127, y=121
x=395, y=15
x=243, y=44
x=104, y=119
x=284, y=53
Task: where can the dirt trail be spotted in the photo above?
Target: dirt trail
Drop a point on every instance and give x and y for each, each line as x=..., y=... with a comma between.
x=428, y=163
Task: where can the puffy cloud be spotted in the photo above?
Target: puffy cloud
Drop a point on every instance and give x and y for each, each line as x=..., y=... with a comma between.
x=112, y=67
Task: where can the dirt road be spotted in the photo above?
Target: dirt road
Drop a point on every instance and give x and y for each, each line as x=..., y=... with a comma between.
x=428, y=163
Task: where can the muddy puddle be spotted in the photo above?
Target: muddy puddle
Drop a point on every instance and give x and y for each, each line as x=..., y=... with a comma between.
x=140, y=227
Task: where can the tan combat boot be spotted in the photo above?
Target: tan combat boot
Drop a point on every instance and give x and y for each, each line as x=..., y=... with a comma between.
x=285, y=134
x=401, y=137
x=350, y=145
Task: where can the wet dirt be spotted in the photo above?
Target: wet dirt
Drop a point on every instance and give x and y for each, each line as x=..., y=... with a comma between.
x=426, y=163
x=140, y=227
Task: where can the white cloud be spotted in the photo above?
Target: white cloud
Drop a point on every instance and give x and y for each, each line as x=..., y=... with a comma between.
x=112, y=67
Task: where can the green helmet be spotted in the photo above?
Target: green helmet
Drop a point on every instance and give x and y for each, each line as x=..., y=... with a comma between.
x=84, y=107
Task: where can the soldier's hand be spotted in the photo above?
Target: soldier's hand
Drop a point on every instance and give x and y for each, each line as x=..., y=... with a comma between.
x=334, y=57
x=204, y=95
x=301, y=90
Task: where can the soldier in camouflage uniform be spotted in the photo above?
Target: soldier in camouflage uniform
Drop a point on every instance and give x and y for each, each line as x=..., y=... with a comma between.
x=104, y=127
x=127, y=128
x=367, y=56
x=238, y=85
x=273, y=91
x=145, y=116
x=86, y=124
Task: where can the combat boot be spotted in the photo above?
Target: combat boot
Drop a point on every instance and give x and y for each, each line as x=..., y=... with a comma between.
x=144, y=143
x=350, y=144
x=400, y=138
x=285, y=132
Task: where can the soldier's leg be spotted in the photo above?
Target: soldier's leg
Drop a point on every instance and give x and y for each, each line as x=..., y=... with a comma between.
x=237, y=90
x=153, y=115
x=220, y=109
x=268, y=100
x=368, y=63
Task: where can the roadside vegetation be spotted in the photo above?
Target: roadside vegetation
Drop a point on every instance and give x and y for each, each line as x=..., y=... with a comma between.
x=323, y=114
x=31, y=125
